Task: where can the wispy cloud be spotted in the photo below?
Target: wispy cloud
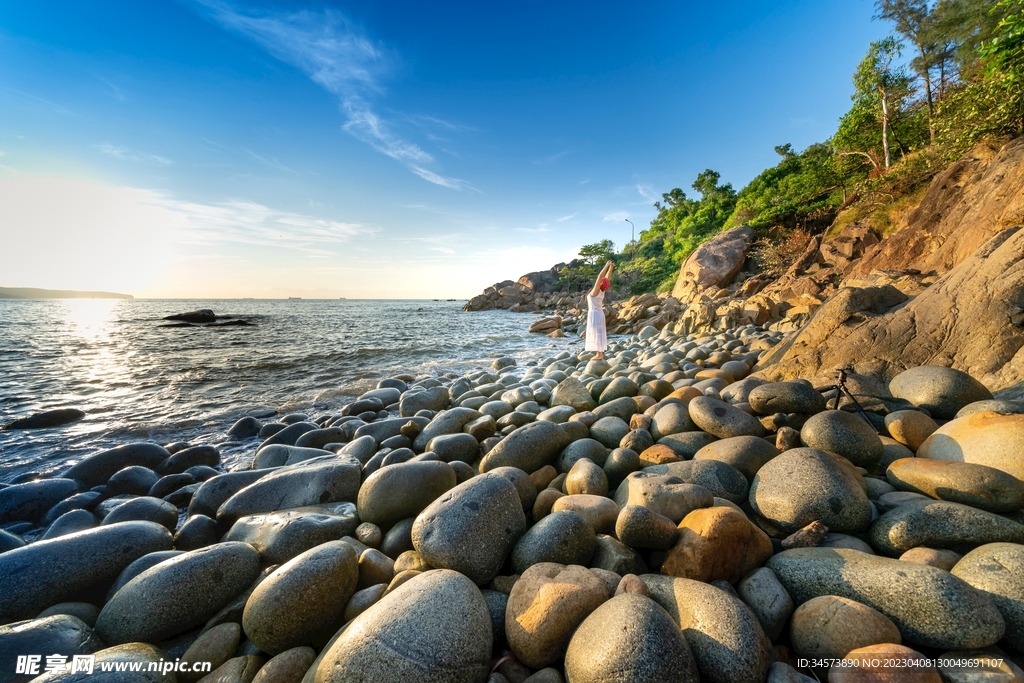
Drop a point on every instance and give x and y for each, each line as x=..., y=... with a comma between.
x=128, y=154
x=567, y=218
x=269, y=162
x=338, y=56
x=112, y=89
x=552, y=158
x=617, y=216
x=252, y=223
x=647, y=192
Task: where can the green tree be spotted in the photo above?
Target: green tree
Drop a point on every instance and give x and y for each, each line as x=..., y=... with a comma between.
x=914, y=20
x=882, y=89
x=597, y=253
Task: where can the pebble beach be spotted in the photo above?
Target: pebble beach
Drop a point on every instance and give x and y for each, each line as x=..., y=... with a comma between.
x=658, y=515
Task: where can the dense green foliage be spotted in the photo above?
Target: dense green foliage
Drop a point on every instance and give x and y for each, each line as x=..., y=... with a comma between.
x=952, y=74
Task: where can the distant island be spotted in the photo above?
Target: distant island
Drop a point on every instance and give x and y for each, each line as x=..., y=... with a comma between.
x=34, y=293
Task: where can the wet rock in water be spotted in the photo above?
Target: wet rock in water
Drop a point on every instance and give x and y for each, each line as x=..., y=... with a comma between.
x=412, y=402
x=278, y=455
x=562, y=537
x=717, y=543
x=984, y=438
x=246, y=428
x=287, y=436
x=189, y=457
x=47, y=418
x=472, y=527
x=724, y=636
x=786, y=397
x=768, y=599
x=434, y=628
x=144, y=509
x=97, y=469
x=546, y=605
x=397, y=492
x=301, y=598
x=29, y=501
x=211, y=495
x=723, y=420
x=929, y=606
x=318, y=438
x=329, y=479
x=79, y=501
x=748, y=454
x=529, y=448
x=979, y=486
x=941, y=391
x=169, y=484
x=829, y=626
x=69, y=523
x=997, y=569
x=287, y=667
x=844, y=434
x=178, y=594
x=44, y=573
x=641, y=527
x=939, y=524
x=60, y=634
x=804, y=485
x=629, y=638
x=200, y=316
x=874, y=663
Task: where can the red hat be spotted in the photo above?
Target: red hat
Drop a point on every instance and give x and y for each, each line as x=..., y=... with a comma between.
x=605, y=284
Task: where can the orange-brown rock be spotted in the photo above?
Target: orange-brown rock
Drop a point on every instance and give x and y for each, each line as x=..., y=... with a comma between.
x=658, y=455
x=717, y=543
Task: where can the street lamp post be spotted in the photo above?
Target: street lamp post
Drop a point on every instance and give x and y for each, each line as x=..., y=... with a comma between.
x=632, y=239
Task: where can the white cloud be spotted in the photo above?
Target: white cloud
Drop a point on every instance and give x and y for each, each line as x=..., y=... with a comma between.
x=618, y=216
x=647, y=192
x=128, y=154
x=566, y=218
x=335, y=53
x=269, y=162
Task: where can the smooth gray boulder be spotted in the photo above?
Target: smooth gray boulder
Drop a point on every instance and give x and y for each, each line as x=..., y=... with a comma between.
x=215, y=490
x=939, y=524
x=472, y=527
x=434, y=628
x=446, y=422
x=29, y=501
x=929, y=606
x=997, y=569
x=330, y=479
x=396, y=492
x=629, y=638
x=280, y=536
x=178, y=594
x=60, y=634
x=940, y=390
x=529, y=448
x=44, y=573
x=97, y=469
x=563, y=537
x=724, y=636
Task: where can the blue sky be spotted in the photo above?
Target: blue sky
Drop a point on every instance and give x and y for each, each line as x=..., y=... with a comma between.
x=384, y=149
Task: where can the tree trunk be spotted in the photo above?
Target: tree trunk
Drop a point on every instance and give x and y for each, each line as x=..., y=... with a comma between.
x=885, y=127
x=931, y=106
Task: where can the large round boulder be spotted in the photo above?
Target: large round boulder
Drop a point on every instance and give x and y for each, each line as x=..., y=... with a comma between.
x=472, y=527
x=396, y=492
x=941, y=391
x=434, y=628
x=629, y=638
x=805, y=485
x=178, y=594
x=939, y=524
x=998, y=570
x=845, y=434
x=301, y=597
x=985, y=438
x=979, y=486
x=529, y=448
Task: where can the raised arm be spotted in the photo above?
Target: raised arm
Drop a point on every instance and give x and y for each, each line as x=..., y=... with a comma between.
x=605, y=272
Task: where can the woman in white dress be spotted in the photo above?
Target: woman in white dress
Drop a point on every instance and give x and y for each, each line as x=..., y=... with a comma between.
x=597, y=335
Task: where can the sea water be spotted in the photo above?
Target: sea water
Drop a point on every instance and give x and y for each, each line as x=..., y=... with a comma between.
x=139, y=381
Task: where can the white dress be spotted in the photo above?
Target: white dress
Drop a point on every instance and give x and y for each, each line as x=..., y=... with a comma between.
x=597, y=335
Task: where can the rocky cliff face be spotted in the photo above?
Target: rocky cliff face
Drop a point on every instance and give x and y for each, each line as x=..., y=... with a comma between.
x=945, y=287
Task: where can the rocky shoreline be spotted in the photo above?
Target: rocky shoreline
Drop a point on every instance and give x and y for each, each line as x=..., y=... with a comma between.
x=665, y=514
